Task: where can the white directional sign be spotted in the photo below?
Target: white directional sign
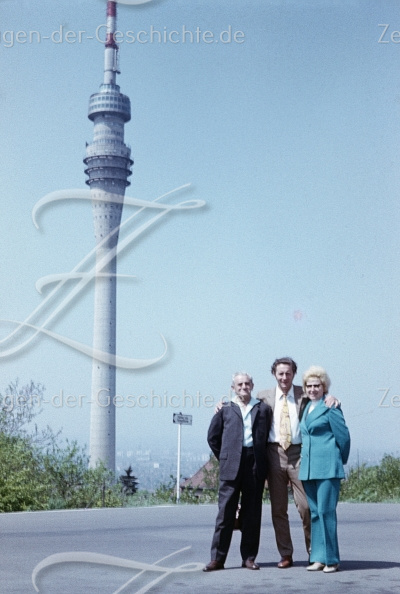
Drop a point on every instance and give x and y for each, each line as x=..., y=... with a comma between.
x=182, y=419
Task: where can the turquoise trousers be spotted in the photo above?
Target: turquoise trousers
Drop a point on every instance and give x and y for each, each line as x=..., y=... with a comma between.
x=323, y=496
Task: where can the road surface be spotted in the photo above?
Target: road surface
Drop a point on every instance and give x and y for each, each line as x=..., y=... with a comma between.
x=162, y=549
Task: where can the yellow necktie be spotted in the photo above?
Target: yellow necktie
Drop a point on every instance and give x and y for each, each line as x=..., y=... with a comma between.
x=284, y=425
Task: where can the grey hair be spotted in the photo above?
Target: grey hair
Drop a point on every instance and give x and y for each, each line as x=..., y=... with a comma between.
x=234, y=376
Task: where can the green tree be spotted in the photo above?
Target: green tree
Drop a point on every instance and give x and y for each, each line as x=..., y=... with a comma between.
x=23, y=484
x=19, y=405
x=22, y=481
x=37, y=471
x=166, y=491
x=129, y=482
x=74, y=484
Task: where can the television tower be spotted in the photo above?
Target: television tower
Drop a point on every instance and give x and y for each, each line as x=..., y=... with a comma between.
x=108, y=166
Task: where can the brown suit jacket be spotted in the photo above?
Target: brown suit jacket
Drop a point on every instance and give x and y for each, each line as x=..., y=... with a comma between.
x=301, y=400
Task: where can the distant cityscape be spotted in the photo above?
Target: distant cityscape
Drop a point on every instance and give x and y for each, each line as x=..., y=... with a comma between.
x=154, y=466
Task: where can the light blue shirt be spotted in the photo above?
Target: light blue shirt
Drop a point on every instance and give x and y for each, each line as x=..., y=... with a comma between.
x=246, y=416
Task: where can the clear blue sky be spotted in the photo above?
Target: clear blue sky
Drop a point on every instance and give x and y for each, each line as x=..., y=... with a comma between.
x=291, y=138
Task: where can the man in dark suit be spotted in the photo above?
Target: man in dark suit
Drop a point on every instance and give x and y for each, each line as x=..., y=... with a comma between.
x=238, y=437
x=283, y=455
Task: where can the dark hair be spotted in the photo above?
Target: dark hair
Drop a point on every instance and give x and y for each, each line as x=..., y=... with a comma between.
x=284, y=361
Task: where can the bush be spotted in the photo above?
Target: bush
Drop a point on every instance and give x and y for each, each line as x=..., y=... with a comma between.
x=37, y=471
x=373, y=483
x=72, y=484
x=22, y=481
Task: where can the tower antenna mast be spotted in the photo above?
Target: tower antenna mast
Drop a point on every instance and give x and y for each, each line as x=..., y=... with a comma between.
x=108, y=166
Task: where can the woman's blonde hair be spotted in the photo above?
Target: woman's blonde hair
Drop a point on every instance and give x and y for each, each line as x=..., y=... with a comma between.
x=320, y=373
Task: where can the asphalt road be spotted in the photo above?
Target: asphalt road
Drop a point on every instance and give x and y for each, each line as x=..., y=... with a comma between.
x=162, y=549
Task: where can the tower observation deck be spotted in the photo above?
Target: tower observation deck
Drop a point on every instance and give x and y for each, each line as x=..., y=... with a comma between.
x=108, y=167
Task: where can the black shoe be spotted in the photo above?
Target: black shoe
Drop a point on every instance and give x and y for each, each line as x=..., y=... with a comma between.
x=250, y=564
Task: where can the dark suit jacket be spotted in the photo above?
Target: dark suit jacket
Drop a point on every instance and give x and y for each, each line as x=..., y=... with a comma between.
x=301, y=400
x=225, y=438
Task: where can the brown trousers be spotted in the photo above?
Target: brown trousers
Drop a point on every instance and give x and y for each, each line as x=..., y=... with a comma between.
x=283, y=470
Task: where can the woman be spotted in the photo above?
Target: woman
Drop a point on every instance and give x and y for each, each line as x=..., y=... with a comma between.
x=325, y=449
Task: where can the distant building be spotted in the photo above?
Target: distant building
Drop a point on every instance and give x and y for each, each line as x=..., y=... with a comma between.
x=201, y=479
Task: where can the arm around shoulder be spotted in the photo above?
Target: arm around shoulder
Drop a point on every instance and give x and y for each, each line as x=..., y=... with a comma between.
x=331, y=401
x=264, y=396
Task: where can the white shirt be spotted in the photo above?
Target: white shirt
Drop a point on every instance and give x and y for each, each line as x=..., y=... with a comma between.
x=246, y=416
x=294, y=418
x=312, y=406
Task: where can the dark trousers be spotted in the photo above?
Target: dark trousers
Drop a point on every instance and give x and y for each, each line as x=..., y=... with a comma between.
x=251, y=487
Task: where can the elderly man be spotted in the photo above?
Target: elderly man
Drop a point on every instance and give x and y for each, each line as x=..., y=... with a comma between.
x=238, y=437
x=283, y=454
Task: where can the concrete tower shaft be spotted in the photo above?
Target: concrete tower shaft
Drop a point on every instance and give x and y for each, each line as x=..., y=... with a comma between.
x=108, y=166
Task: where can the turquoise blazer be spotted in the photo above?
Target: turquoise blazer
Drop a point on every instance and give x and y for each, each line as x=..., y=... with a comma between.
x=326, y=443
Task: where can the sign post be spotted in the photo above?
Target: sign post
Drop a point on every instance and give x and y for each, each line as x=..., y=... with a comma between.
x=180, y=420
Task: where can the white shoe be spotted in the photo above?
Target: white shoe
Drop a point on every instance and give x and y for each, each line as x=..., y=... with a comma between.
x=316, y=566
x=331, y=568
